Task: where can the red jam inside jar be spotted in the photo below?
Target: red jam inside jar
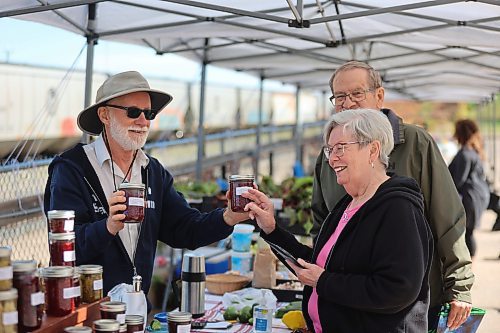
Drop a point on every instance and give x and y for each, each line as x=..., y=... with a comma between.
x=135, y=323
x=106, y=325
x=113, y=310
x=62, y=249
x=30, y=299
x=135, y=202
x=61, y=221
x=60, y=292
x=239, y=184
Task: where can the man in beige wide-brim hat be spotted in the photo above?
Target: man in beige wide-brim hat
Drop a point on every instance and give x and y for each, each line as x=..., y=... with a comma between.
x=87, y=180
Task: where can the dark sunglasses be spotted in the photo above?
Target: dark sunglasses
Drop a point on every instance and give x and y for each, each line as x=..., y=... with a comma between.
x=134, y=112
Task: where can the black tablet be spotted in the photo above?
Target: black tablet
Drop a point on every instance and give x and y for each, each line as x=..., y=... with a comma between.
x=284, y=253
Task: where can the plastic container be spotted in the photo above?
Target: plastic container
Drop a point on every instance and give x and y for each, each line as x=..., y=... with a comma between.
x=106, y=325
x=113, y=310
x=61, y=221
x=60, y=291
x=62, y=249
x=8, y=311
x=30, y=299
x=242, y=237
x=239, y=184
x=241, y=262
x=90, y=282
x=135, y=202
x=162, y=317
x=5, y=268
x=262, y=319
x=179, y=322
x=135, y=323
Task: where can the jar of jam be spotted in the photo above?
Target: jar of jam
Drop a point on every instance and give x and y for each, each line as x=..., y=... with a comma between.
x=62, y=249
x=179, y=322
x=60, y=292
x=61, y=221
x=78, y=329
x=90, y=282
x=8, y=311
x=239, y=184
x=30, y=299
x=135, y=202
x=135, y=323
x=123, y=328
x=113, y=310
x=5, y=268
x=106, y=325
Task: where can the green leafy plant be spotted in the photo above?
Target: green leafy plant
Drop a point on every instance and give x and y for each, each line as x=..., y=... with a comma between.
x=197, y=189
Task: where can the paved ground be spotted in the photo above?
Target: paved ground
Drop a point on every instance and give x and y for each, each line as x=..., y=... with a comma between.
x=486, y=266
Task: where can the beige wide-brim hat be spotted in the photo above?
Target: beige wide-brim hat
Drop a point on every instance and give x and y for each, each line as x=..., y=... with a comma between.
x=116, y=86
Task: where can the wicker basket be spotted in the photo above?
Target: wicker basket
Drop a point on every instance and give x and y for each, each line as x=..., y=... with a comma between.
x=218, y=284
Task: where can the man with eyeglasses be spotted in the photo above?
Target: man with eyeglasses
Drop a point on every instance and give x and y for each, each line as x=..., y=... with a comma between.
x=86, y=179
x=357, y=85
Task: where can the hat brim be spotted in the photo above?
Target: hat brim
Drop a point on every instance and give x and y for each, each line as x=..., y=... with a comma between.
x=88, y=120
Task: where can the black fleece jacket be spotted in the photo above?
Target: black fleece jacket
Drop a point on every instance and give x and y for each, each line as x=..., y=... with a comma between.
x=74, y=185
x=376, y=275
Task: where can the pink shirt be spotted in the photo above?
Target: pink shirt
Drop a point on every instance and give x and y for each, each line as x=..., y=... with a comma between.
x=312, y=306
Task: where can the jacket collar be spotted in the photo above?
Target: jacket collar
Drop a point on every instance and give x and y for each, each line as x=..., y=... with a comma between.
x=398, y=127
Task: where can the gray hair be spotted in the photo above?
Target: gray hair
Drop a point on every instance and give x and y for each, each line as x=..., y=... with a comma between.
x=374, y=79
x=367, y=125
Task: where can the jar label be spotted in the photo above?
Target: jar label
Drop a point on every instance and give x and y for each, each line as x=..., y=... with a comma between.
x=134, y=201
x=121, y=318
x=6, y=273
x=184, y=328
x=69, y=225
x=98, y=284
x=71, y=292
x=9, y=318
x=69, y=256
x=37, y=298
x=242, y=189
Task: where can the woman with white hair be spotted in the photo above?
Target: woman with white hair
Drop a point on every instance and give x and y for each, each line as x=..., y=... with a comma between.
x=368, y=268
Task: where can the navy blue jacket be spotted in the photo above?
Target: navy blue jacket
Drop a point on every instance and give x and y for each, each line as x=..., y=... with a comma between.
x=74, y=185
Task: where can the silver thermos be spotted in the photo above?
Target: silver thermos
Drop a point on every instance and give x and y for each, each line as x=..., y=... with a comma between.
x=193, y=285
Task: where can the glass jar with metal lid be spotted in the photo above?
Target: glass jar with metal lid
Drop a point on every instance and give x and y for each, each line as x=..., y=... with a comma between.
x=106, y=325
x=90, y=282
x=8, y=311
x=113, y=310
x=59, y=290
x=5, y=268
x=62, y=249
x=135, y=323
x=179, y=322
x=30, y=299
x=239, y=184
x=78, y=329
x=61, y=221
x=135, y=202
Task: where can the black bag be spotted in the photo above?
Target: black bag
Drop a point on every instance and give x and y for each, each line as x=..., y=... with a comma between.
x=494, y=205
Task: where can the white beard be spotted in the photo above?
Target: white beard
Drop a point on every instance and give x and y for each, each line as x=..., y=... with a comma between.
x=121, y=135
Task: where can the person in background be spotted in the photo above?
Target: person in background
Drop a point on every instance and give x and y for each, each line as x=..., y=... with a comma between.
x=86, y=179
x=467, y=172
x=357, y=85
x=369, y=266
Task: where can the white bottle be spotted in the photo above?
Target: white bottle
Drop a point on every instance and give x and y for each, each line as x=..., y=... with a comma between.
x=262, y=319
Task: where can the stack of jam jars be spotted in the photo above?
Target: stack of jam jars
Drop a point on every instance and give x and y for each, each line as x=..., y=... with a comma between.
x=62, y=237
x=8, y=295
x=241, y=257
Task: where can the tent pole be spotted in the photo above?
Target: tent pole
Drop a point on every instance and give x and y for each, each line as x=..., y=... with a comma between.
x=259, y=127
x=298, y=127
x=493, y=105
x=89, y=67
x=201, y=137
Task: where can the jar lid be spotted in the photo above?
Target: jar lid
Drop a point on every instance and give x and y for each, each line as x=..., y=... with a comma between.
x=107, y=325
x=89, y=269
x=5, y=251
x=179, y=317
x=24, y=265
x=132, y=186
x=134, y=319
x=113, y=306
x=78, y=329
x=61, y=214
x=161, y=317
x=61, y=236
x=241, y=177
x=123, y=328
x=8, y=294
x=57, y=271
